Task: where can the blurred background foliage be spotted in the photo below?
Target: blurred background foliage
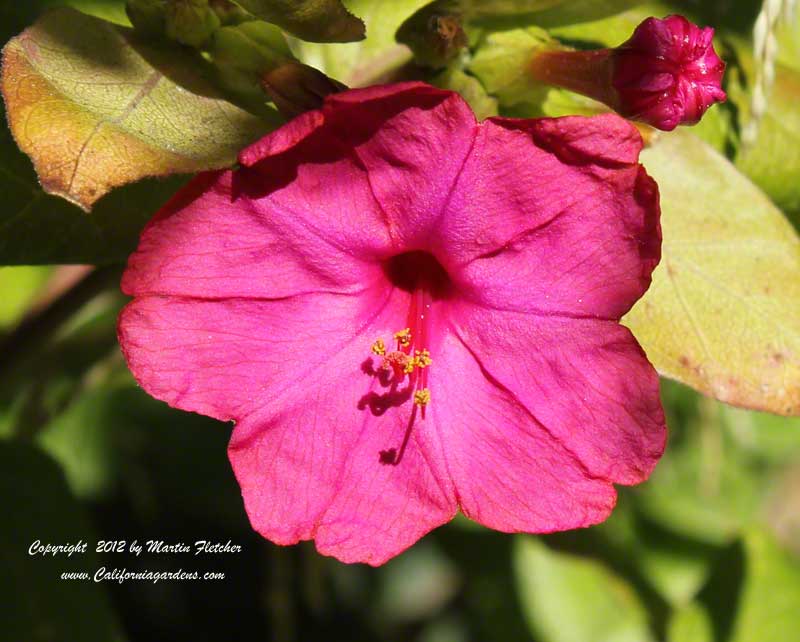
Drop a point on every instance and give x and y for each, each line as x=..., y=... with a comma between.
x=708, y=550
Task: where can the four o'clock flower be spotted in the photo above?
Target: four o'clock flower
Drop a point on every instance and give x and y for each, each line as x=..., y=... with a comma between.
x=667, y=74
x=408, y=313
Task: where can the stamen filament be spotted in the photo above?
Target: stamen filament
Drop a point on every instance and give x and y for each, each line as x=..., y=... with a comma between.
x=411, y=358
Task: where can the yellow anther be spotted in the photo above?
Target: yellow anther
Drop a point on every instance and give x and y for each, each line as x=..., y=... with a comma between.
x=403, y=336
x=379, y=347
x=422, y=358
x=422, y=397
x=409, y=367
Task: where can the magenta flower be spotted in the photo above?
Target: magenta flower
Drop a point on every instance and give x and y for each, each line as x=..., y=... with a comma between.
x=666, y=74
x=407, y=313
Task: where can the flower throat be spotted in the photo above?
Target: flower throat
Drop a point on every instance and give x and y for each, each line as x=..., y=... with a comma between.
x=423, y=277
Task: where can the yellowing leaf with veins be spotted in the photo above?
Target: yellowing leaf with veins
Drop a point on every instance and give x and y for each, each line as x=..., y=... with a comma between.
x=723, y=312
x=95, y=109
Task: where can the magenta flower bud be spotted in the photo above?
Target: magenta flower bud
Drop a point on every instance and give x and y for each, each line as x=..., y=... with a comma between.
x=667, y=74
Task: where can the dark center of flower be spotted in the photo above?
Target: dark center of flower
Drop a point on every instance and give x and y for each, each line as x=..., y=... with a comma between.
x=417, y=270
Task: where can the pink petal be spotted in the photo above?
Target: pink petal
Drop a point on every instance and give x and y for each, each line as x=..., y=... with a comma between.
x=282, y=139
x=307, y=446
x=413, y=140
x=207, y=243
x=314, y=471
x=586, y=380
x=313, y=463
x=510, y=472
x=230, y=357
x=554, y=216
x=410, y=138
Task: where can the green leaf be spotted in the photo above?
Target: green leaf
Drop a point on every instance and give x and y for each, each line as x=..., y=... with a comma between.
x=111, y=10
x=674, y=566
x=547, y=13
x=723, y=312
x=609, y=30
x=501, y=62
x=690, y=624
x=507, y=14
x=19, y=285
x=769, y=604
x=775, y=440
x=363, y=63
x=95, y=109
x=470, y=88
x=567, y=598
x=312, y=20
x=87, y=445
x=711, y=484
x=35, y=603
x=504, y=8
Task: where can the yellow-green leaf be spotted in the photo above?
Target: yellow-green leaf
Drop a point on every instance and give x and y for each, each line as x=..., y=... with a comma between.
x=580, y=11
x=470, y=89
x=501, y=64
x=690, y=624
x=95, y=109
x=723, y=312
x=312, y=20
x=19, y=286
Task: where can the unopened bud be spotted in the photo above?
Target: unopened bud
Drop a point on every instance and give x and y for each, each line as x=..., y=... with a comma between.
x=296, y=88
x=191, y=22
x=667, y=74
x=435, y=37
